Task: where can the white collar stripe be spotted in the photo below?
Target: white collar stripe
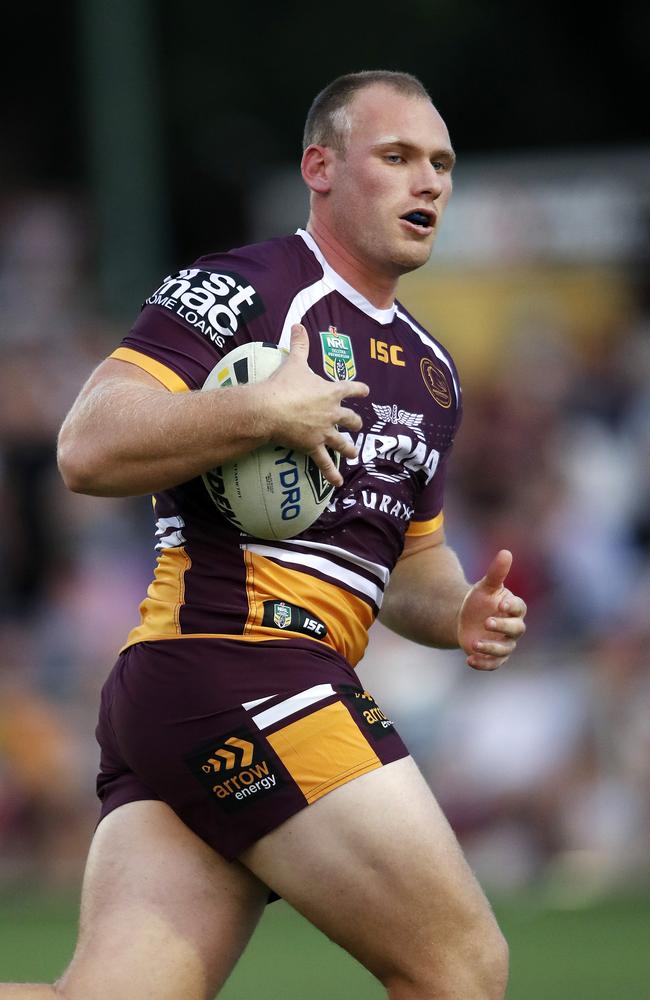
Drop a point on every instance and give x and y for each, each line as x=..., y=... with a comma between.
x=383, y=316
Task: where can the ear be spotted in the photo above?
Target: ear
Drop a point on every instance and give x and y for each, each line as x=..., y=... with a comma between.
x=316, y=167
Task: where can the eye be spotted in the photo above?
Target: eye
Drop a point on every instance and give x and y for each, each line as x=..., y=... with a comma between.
x=394, y=158
x=439, y=166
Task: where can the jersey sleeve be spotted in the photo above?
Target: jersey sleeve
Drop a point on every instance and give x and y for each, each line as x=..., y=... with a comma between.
x=190, y=322
x=429, y=514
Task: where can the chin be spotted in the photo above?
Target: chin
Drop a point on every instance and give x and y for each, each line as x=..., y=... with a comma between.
x=410, y=258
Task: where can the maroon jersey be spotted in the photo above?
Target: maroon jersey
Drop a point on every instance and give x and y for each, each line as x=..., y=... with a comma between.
x=327, y=583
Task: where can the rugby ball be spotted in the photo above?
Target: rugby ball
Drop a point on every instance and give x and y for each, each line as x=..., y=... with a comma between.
x=274, y=491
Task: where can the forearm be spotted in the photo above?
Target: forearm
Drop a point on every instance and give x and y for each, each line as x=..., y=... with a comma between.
x=122, y=439
x=424, y=596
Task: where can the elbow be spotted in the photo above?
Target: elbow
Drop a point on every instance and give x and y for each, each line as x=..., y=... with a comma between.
x=72, y=472
x=75, y=467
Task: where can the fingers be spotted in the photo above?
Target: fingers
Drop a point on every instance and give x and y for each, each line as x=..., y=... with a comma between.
x=343, y=445
x=323, y=460
x=320, y=401
x=495, y=647
x=350, y=419
x=511, y=628
x=299, y=341
x=477, y=662
x=491, y=652
x=348, y=389
x=512, y=606
x=498, y=570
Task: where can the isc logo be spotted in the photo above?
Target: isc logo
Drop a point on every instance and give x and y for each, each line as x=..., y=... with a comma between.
x=390, y=354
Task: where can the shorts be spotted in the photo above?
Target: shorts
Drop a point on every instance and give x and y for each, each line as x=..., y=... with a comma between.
x=236, y=737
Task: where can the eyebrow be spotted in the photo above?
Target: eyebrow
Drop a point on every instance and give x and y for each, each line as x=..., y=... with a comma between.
x=445, y=153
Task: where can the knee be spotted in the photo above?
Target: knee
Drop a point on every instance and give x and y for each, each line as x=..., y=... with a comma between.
x=491, y=963
x=480, y=961
x=471, y=962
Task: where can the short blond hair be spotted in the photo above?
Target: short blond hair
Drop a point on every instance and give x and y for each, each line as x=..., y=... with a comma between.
x=328, y=121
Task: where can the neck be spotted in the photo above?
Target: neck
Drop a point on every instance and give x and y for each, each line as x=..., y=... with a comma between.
x=377, y=288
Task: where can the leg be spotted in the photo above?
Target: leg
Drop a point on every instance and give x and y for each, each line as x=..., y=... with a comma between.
x=375, y=865
x=162, y=914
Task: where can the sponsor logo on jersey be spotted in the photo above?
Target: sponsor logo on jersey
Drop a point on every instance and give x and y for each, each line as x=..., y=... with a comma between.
x=383, y=502
x=338, y=355
x=389, y=354
x=214, y=303
x=282, y=614
x=236, y=769
x=436, y=382
x=367, y=711
x=377, y=449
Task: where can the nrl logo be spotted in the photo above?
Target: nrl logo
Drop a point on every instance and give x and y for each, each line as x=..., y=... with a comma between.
x=282, y=614
x=338, y=356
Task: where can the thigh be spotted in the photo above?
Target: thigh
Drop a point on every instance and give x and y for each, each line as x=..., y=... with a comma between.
x=375, y=865
x=162, y=915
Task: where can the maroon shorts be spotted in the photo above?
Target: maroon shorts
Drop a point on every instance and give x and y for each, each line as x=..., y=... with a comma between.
x=236, y=737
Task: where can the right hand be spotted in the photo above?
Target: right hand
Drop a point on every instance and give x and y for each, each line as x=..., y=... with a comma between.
x=303, y=409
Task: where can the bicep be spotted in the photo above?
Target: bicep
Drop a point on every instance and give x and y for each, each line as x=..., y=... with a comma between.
x=112, y=370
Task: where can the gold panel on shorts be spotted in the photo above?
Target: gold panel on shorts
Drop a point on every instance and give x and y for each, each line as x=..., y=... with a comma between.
x=324, y=750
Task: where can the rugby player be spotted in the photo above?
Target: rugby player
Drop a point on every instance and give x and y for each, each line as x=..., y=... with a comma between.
x=240, y=755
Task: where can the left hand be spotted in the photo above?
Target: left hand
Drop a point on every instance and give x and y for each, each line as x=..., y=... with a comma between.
x=491, y=617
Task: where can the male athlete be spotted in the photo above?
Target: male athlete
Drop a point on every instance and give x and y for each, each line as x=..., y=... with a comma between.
x=239, y=753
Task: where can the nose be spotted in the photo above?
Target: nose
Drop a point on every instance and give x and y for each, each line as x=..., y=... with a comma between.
x=429, y=183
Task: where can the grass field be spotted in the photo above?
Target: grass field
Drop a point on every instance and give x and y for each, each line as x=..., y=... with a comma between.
x=599, y=952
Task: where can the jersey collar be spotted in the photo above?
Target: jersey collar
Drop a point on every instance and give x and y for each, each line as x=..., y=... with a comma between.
x=383, y=316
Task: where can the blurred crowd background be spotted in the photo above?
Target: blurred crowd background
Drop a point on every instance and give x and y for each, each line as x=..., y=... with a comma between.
x=144, y=136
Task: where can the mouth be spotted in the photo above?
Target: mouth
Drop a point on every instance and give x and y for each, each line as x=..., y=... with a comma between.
x=422, y=219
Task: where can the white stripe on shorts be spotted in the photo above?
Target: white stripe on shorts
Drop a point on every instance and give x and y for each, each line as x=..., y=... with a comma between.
x=293, y=704
x=258, y=701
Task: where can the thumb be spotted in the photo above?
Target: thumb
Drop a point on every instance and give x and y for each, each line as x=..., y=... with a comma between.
x=299, y=341
x=498, y=570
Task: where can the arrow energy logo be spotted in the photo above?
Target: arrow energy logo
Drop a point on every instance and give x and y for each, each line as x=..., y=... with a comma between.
x=229, y=757
x=236, y=770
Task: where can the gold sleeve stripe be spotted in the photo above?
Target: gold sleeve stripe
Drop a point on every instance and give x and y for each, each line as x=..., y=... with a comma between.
x=169, y=379
x=416, y=528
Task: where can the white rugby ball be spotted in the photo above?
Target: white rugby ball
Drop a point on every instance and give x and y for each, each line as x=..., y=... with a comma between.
x=274, y=491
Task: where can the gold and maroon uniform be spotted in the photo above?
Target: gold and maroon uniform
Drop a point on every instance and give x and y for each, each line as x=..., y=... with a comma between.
x=235, y=698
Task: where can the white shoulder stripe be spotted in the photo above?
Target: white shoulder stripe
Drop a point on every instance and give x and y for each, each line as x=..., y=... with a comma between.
x=432, y=347
x=324, y=566
x=300, y=305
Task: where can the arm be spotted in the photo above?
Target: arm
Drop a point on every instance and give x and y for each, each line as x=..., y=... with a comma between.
x=126, y=434
x=429, y=601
